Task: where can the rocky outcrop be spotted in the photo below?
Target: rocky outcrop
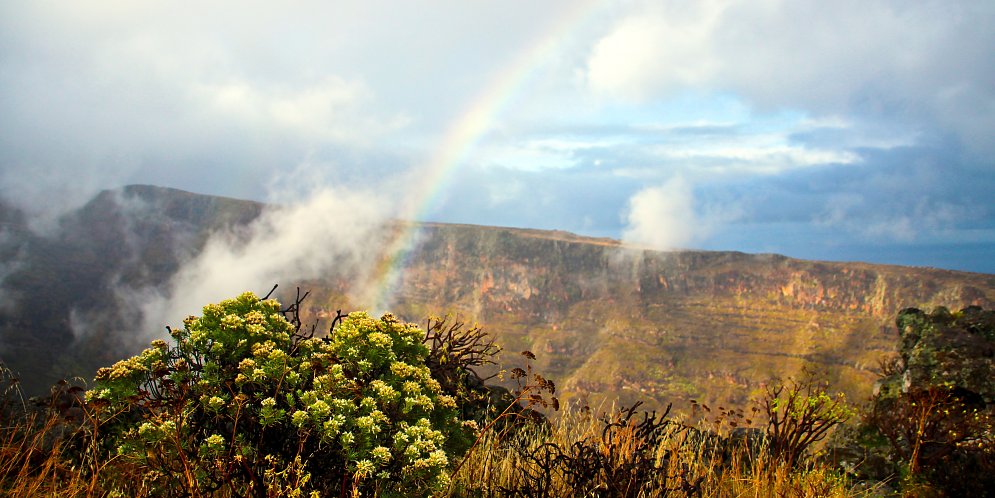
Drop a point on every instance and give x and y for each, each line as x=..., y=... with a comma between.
x=953, y=350
x=502, y=270
x=932, y=416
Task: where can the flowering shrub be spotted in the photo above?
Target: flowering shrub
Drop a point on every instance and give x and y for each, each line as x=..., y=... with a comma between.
x=243, y=402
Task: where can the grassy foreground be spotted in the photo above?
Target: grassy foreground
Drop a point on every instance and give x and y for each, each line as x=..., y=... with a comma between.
x=620, y=457
x=245, y=402
x=625, y=457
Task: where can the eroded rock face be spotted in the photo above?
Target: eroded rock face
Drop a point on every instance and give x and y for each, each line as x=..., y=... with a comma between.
x=611, y=322
x=945, y=349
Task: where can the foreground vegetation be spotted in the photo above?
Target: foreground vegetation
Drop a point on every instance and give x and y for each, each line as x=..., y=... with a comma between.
x=245, y=401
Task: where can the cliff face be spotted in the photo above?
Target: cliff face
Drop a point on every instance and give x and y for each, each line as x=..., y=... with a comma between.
x=606, y=322
x=609, y=321
x=542, y=275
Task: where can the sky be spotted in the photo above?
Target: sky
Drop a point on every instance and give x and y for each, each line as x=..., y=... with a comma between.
x=844, y=130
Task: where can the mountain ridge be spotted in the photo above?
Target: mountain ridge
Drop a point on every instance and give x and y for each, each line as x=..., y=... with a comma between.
x=607, y=321
x=696, y=313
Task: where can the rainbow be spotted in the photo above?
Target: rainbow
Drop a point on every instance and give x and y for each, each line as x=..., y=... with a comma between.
x=462, y=138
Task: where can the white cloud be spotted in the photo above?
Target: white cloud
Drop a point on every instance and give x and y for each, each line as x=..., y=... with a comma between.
x=662, y=217
x=705, y=152
x=222, y=97
x=763, y=160
x=661, y=52
x=669, y=216
x=919, y=60
x=332, y=233
x=528, y=156
x=101, y=95
x=12, y=254
x=331, y=110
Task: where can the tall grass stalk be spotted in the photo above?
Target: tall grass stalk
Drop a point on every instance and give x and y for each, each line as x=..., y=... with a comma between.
x=738, y=471
x=32, y=461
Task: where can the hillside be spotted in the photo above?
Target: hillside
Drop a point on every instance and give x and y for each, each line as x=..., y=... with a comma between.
x=605, y=321
x=61, y=313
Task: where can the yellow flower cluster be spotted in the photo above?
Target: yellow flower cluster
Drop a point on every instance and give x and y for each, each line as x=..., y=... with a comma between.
x=372, y=423
x=231, y=322
x=380, y=340
x=364, y=469
x=319, y=409
x=215, y=440
x=382, y=454
x=385, y=392
x=121, y=370
x=215, y=403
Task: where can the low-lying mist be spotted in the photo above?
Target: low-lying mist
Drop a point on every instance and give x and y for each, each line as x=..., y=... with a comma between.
x=329, y=234
x=111, y=275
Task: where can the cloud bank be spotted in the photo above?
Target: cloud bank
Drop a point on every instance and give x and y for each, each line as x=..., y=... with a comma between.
x=332, y=233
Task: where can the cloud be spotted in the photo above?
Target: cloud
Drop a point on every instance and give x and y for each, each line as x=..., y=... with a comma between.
x=754, y=159
x=919, y=61
x=662, y=217
x=917, y=218
x=333, y=109
x=333, y=233
x=11, y=254
x=645, y=55
x=698, y=149
x=581, y=199
x=763, y=102
x=105, y=95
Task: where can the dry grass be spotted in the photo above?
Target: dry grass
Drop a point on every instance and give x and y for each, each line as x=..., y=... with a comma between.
x=33, y=462
x=44, y=445
x=31, y=459
x=694, y=464
x=42, y=454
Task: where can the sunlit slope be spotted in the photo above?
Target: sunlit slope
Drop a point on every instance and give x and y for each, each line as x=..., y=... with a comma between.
x=611, y=322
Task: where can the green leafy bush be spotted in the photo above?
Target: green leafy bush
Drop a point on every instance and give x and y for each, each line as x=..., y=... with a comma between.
x=801, y=413
x=244, y=403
